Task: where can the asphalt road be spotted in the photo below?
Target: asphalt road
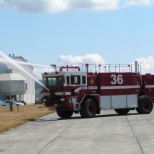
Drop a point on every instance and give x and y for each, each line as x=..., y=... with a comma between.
x=108, y=133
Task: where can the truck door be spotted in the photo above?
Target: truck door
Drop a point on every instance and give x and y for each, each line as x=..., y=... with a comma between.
x=92, y=84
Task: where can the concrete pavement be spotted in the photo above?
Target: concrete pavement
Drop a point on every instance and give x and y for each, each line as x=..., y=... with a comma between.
x=108, y=133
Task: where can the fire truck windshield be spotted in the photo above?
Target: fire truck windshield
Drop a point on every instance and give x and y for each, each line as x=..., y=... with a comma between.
x=53, y=81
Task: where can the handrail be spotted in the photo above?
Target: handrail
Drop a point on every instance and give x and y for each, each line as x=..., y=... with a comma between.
x=69, y=67
x=107, y=67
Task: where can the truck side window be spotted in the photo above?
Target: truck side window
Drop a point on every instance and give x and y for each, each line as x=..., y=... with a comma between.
x=67, y=80
x=75, y=79
x=45, y=81
x=83, y=79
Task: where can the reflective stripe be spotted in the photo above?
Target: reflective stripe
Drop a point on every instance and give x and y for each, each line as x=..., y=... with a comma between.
x=103, y=88
x=149, y=86
x=76, y=90
x=62, y=93
x=119, y=87
x=92, y=87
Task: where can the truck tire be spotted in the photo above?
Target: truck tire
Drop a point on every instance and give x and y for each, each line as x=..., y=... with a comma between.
x=88, y=108
x=145, y=104
x=64, y=114
x=122, y=111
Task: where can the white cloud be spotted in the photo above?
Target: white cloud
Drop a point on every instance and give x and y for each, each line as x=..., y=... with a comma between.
x=105, y=4
x=129, y=3
x=147, y=64
x=89, y=58
x=63, y=5
x=93, y=4
x=35, y=5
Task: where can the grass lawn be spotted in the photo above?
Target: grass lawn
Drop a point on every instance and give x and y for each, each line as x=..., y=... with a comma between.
x=11, y=119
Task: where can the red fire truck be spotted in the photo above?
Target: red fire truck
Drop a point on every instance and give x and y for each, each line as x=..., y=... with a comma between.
x=120, y=87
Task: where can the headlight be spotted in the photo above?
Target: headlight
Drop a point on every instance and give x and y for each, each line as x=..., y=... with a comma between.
x=62, y=99
x=46, y=93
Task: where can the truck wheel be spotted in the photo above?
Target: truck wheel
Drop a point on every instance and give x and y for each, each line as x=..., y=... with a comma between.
x=145, y=104
x=88, y=108
x=122, y=111
x=64, y=114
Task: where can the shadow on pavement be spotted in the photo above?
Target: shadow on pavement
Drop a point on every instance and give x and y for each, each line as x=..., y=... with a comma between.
x=78, y=117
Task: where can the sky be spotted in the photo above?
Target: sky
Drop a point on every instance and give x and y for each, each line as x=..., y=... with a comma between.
x=63, y=32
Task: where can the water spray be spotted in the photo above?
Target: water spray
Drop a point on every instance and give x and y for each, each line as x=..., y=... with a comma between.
x=18, y=66
x=25, y=63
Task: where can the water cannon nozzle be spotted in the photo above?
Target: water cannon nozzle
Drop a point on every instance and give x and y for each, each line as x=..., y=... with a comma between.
x=53, y=66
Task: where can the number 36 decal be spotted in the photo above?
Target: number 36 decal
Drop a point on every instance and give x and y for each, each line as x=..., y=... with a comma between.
x=116, y=79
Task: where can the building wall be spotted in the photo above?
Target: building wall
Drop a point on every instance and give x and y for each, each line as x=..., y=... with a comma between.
x=29, y=96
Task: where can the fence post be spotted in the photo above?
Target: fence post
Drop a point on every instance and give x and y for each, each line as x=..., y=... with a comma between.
x=11, y=105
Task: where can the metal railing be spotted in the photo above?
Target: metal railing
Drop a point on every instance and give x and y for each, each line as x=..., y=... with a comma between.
x=109, y=67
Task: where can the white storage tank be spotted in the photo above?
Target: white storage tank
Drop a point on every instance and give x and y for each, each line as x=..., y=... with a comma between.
x=12, y=84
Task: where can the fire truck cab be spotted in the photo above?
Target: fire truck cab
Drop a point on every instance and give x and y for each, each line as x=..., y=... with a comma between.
x=119, y=87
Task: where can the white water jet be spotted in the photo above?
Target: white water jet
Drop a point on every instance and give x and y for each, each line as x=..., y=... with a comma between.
x=18, y=66
x=25, y=63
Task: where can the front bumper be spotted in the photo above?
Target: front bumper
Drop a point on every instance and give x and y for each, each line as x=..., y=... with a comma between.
x=60, y=103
